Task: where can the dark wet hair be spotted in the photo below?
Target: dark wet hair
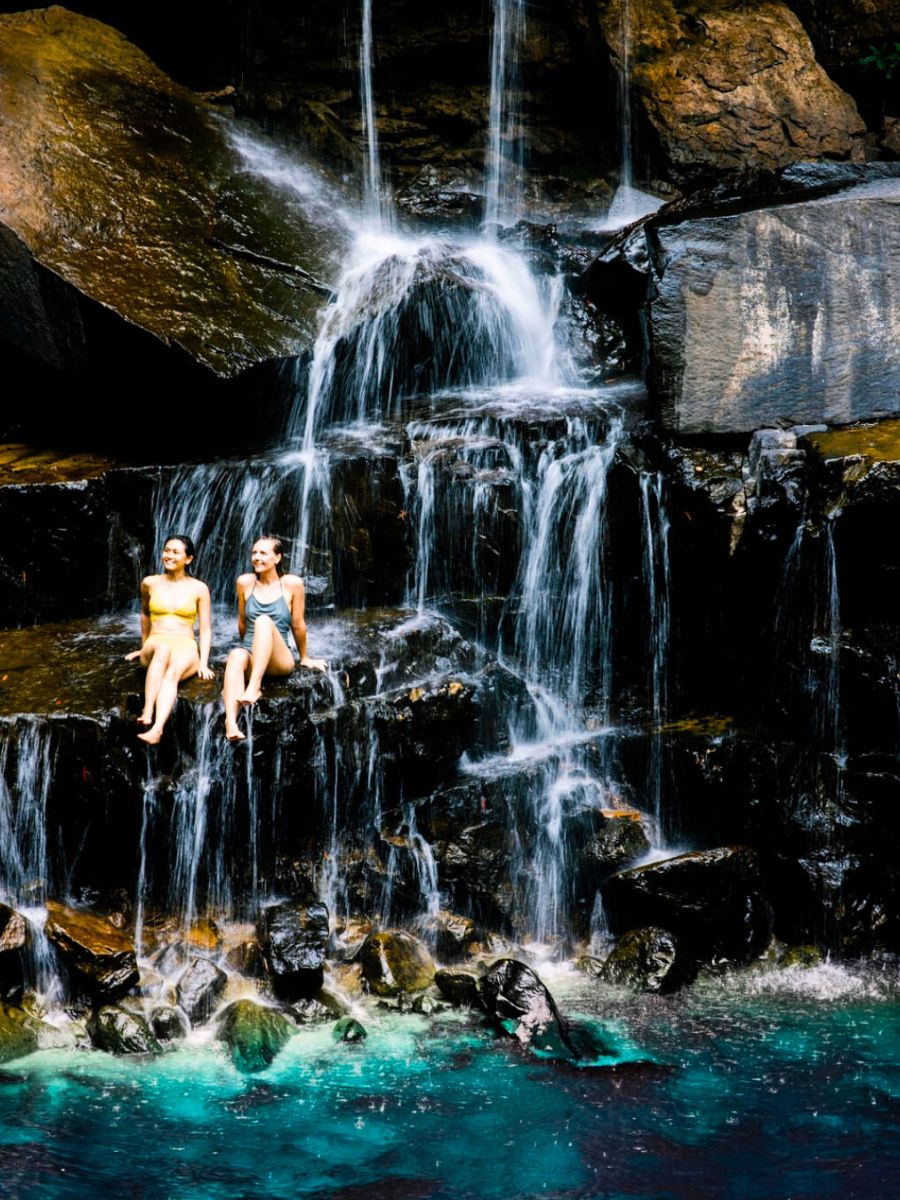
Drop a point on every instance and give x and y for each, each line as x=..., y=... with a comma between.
x=185, y=541
x=277, y=548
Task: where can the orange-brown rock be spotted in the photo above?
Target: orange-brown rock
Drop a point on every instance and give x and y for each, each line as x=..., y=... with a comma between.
x=100, y=957
x=729, y=86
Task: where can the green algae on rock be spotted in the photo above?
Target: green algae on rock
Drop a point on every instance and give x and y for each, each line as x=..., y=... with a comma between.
x=132, y=192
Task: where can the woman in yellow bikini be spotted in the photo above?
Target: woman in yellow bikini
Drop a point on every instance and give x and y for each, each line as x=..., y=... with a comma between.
x=171, y=604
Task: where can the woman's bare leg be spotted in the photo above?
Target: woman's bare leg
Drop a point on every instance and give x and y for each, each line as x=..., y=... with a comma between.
x=270, y=655
x=235, y=671
x=182, y=665
x=155, y=660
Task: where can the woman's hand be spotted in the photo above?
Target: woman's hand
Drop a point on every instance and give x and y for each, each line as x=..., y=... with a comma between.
x=134, y=654
x=205, y=673
x=314, y=664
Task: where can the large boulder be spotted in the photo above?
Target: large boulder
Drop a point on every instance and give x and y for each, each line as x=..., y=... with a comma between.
x=253, y=1034
x=709, y=899
x=728, y=86
x=99, y=956
x=394, y=962
x=752, y=325
x=294, y=940
x=151, y=214
x=513, y=994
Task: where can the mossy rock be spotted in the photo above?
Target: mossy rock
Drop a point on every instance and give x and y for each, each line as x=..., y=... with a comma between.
x=253, y=1034
x=394, y=962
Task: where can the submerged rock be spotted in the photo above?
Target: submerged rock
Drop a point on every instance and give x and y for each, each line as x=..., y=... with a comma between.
x=348, y=1029
x=709, y=899
x=650, y=960
x=100, y=957
x=294, y=940
x=199, y=987
x=119, y=1032
x=253, y=1034
x=394, y=962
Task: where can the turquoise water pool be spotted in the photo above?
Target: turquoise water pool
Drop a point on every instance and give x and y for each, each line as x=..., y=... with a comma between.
x=783, y=1085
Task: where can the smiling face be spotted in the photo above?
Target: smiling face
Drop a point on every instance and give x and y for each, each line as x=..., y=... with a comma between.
x=174, y=556
x=265, y=557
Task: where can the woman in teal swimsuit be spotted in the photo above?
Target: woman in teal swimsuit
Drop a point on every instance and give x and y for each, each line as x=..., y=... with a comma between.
x=271, y=606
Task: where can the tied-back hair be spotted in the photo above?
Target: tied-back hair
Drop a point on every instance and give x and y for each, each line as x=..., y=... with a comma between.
x=187, y=542
x=277, y=547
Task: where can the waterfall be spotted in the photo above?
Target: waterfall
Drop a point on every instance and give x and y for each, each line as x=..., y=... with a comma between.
x=655, y=524
x=629, y=203
x=25, y=774
x=831, y=722
x=505, y=146
x=26, y=769
x=375, y=200
x=449, y=350
x=563, y=630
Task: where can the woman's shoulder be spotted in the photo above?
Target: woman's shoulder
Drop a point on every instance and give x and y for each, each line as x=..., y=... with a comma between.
x=149, y=581
x=245, y=581
x=292, y=581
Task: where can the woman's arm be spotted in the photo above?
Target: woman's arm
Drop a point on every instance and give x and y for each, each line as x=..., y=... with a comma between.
x=242, y=605
x=297, y=593
x=203, y=612
x=145, y=618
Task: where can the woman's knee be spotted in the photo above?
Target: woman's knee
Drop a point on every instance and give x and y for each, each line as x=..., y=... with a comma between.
x=263, y=622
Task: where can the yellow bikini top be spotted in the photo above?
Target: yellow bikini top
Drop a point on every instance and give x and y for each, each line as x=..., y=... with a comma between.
x=186, y=614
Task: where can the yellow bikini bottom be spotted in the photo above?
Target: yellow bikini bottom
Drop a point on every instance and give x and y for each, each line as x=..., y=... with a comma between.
x=175, y=641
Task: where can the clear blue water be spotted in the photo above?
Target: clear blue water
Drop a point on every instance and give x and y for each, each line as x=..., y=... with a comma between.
x=787, y=1086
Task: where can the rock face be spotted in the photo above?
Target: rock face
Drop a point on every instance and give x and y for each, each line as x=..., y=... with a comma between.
x=752, y=324
x=727, y=86
x=710, y=900
x=150, y=215
x=394, y=962
x=253, y=1034
x=100, y=957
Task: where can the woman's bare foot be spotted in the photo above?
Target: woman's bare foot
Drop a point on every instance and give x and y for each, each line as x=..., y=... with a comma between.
x=233, y=734
x=251, y=695
x=151, y=737
x=145, y=719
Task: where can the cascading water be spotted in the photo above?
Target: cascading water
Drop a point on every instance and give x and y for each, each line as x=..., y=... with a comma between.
x=449, y=348
x=629, y=203
x=505, y=149
x=375, y=199
x=655, y=525
x=26, y=769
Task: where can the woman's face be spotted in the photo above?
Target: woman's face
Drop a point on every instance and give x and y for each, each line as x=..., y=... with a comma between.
x=174, y=555
x=263, y=556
